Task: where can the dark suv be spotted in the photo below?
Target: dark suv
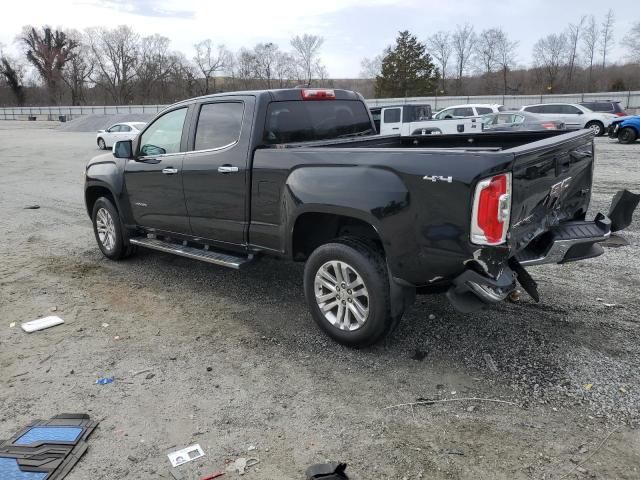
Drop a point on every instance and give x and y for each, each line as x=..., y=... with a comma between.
x=605, y=106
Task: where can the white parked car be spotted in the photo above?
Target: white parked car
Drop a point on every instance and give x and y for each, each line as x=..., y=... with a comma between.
x=468, y=110
x=573, y=115
x=119, y=131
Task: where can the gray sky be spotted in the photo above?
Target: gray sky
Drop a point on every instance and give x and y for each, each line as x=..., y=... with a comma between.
x=352, y=29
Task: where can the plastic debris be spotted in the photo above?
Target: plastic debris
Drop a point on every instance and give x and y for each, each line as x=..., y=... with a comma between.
x=104, y=381
x=41, y=324
x=213, y=475
x=32, y=207
x=328, y=471
x=588, y=386
x=12, y=324
x=432, y=316
x=241, y=464
x=251, y=448
x=490, y=363
x=185, y=455
x=105, y=325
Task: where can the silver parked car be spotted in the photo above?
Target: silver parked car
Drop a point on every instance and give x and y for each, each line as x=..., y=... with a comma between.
x=518, y=121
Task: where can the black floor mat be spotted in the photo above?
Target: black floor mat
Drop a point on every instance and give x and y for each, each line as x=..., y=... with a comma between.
x=46, y=449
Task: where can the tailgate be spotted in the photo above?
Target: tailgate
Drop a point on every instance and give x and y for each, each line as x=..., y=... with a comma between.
x=551, y=184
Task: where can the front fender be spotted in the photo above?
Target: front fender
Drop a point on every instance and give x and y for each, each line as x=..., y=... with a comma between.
x=106, y=171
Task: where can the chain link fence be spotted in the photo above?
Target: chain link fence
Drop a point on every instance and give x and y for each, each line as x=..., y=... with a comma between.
x=628, y=100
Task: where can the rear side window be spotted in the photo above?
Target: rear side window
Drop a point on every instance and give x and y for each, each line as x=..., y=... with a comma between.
x=534, y=109
x=464, y=112
x=125, y=128
x=164, y=134
x=392, y=115
x=600, y=106
x=302, y=121
x=483, y=110
x=570, y=110
x=552, y=109
x=219, y=125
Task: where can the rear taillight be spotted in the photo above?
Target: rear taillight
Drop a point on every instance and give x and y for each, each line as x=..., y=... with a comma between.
x=318, y=94
x=621, y=114
x=548, y=125
x=491, y=210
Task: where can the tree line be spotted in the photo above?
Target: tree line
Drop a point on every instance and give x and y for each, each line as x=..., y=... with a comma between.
x=486, y=62
x=118, y=66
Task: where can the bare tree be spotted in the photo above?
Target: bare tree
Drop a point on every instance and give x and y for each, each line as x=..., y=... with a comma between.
x=12, y=73
x=48, y=51
x=266, y=56
x=307, y=50
x=505, y=56
x=285, y=69
x=486, y=54
x=549, y=55
x=462, y=42
x=371, y=67
x=440, y=47
x=573, y=38
x=154, y=64
x=606, y=37
x=210, y=61
x=246, y=66
x=78, y=69
x=115, y=56
x=590, y=37
x=184, y=74
x=632, y=42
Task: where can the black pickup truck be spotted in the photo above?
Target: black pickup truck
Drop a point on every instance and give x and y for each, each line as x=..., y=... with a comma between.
x=300, y=173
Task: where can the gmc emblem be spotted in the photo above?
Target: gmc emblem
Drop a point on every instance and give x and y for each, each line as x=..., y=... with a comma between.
x=556, y=191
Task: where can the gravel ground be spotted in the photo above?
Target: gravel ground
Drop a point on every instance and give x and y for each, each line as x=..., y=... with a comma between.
x=236, y=360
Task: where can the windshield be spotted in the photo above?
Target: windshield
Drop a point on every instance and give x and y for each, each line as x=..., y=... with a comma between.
x=302, y=121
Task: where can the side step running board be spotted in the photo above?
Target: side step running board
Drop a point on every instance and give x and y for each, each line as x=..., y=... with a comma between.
x=210, y=256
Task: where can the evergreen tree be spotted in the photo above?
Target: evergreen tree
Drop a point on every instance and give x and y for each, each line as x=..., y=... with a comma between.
x=407, y=69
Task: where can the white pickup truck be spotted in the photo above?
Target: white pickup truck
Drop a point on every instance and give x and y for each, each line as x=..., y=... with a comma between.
x=406, y=120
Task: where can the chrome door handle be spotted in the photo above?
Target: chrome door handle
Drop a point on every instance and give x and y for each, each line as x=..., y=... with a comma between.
x=169, y=171
x=227, y=169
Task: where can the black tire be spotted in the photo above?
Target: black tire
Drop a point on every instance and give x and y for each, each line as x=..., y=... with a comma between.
x=115, y=249
x=627, y=135
x=597, y=127
x=369, y=264
x=101, y=144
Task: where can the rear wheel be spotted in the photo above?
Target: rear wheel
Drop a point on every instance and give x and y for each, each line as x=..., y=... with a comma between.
x=347, y=290
x=597, y=127
x=101, y=144
x=627, y=135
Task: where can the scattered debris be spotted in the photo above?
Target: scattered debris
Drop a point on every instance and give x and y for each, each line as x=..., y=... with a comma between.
x=12, y=324
x=328, y=471
x=32, y=207
x=41, y=324
x=490, y=363
x=105, y=325
x=622, y=390
x=150, y=376
x=592, y=454
x=515, y=295
x=19, y=374
x=251, y=448
x=53, y=309
x=467, y=399
x=213, y=475
x=140, y=372
x=45, y=359
x=419, y=355
x=471, y=408
x=588, y=386
x=185, y=455
x=610, y=305
x=242, y=464
x=583, y=449
x=209, y=369
x=117, y=337
x=104, y=381
x=453, y=451
x=432, y=316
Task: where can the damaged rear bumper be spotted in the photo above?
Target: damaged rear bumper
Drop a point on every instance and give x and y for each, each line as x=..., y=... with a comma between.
x=471, y=290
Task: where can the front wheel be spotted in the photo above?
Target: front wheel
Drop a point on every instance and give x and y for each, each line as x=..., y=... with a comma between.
x=108, y=230
x=597, y=127
x=627, y=135
x=347, y=290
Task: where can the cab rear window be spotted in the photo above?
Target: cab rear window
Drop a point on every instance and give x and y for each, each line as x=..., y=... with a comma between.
x=303, y=121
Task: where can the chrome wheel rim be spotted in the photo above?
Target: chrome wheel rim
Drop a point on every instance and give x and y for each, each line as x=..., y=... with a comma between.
x=342, y=295
x=596, y=128
x=101, y=144
x=106, y=229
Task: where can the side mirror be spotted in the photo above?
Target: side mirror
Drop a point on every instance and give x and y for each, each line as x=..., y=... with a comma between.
x=123, y=149
x=580, y=112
